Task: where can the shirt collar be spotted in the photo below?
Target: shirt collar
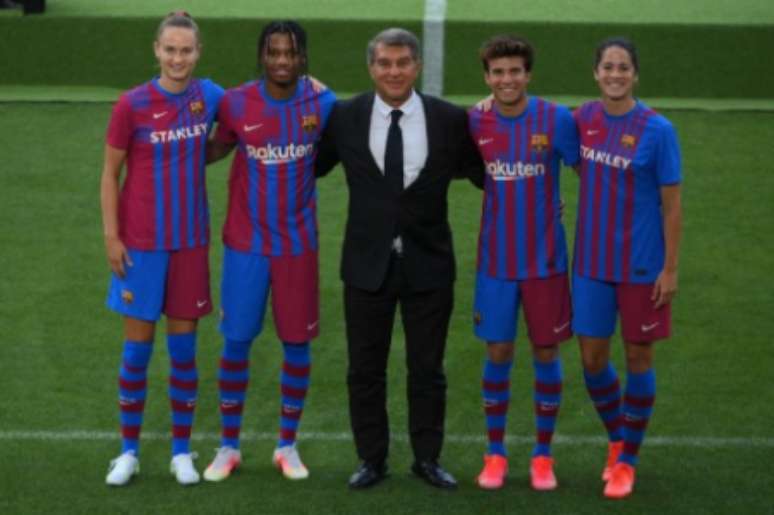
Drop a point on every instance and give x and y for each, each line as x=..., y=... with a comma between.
x=412, y=103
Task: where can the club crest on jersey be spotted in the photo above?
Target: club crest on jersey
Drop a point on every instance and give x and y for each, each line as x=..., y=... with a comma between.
x=538, y=142
x=309, y=122
x=628, y=141
x=127, y=296
x=197, y=107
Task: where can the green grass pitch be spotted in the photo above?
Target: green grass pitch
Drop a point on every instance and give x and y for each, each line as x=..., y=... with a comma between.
x=708, y=450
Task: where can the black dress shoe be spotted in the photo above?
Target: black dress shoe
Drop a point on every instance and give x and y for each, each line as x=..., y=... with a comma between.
x=368, y=474
x=433, y=473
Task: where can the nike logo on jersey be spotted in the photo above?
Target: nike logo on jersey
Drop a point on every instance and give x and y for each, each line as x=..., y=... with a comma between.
x=561, y=328
x=484, y=141
x=251, y=128
x=649, y=327
x=201, y=303
x=592, y=132
x=311, y=326
x=156, y=116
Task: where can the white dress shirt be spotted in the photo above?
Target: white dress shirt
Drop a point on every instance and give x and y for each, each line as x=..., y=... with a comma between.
x=414, y=131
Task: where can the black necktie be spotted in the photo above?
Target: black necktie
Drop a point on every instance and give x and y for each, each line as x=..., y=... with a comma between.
x=393, y=153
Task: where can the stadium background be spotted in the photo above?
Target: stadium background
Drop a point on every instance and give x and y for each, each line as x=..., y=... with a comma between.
x=711, y=439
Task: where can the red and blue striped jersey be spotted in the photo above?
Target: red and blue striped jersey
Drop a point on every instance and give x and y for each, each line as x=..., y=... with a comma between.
x=625, y=160
x=163, y=200
x=522, y=236
x=272, y=207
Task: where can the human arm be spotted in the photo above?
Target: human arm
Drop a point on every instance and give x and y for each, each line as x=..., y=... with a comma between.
x=327, y=154
x=665, y=287
x=117, y=254
x=217, y=150
x=471, y=164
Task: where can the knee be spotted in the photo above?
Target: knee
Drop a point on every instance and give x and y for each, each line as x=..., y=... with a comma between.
x=639, y=357
x=595, y=354
x=499, y=352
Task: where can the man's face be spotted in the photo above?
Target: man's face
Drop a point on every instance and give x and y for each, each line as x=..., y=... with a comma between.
x=394, y=71
x=507, y=78
x=281, y=62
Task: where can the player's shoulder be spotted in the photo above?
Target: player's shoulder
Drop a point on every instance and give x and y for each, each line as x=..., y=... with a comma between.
x=234, y=100
x=209, y=86
x=313, y=90
x=138, y=95
x=560, y=111
x=588, y=109
x=654, y=121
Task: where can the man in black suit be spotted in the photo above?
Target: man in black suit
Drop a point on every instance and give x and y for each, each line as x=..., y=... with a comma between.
x=399, y=149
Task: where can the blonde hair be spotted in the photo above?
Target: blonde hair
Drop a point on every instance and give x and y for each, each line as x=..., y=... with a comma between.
x=179, y=19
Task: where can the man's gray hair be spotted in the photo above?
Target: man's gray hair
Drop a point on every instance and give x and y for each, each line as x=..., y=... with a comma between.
x=393, y=37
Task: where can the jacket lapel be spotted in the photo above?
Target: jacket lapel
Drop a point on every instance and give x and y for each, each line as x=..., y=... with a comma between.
x=362, y=126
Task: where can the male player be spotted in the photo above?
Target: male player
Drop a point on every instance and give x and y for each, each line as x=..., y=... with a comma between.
x=522, y=255
x=270, y=234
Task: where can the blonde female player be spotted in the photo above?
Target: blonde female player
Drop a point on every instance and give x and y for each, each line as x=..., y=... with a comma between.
x=157, y=234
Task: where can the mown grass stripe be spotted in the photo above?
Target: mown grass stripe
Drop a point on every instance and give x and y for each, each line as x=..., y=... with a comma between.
x=569, y=440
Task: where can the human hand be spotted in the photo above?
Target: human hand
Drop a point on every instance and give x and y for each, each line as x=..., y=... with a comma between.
x=317, y=86
x=485, y=105
x=665, y=288
x=117, y=255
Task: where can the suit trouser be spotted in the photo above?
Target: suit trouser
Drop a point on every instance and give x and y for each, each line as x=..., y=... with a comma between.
x=369, y=320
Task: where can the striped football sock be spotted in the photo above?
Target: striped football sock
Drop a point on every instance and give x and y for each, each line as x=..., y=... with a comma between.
x=548, y=397
x=233, y=377
x=132, y=387
x=637, y=409
x=605, y=392
x=183, y=383
x=496, y=392
x=294, y=383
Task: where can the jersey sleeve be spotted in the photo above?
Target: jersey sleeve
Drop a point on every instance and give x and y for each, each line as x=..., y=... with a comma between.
x=567, y=142
x=668, y=160
x=225, y=132
x=327, y=99
x=120, y=127
x=213, y=94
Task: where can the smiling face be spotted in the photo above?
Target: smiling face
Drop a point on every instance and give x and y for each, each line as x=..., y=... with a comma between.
x=177, y=51
x=394, y=71
x=281, y=61
x=616, y=74
x=508, y=77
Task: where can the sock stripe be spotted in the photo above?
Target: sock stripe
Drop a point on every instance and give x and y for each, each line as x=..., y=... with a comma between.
x=232, y=386
x=500, y=386
x=132, y=386
x=234, y=366
x=603, y=391
x=296, y=393
x=548, y=389
x=183, y=384
x=296, y=371
x=499, y=408
x=131, y=405
x=639, y=402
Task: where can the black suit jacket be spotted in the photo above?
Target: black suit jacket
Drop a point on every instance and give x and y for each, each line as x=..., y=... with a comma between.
x=418, y=214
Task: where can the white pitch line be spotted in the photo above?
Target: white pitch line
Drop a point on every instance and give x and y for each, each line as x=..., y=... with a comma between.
x=432, y=47
x=569, y=440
